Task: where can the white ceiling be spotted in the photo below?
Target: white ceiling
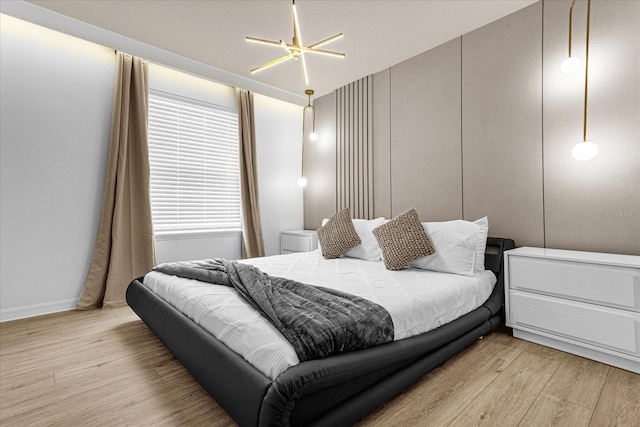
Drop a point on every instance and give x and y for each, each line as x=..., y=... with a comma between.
x=377, y=34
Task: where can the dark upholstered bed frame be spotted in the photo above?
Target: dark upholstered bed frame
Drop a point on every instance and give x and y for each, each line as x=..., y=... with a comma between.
x=334, y=391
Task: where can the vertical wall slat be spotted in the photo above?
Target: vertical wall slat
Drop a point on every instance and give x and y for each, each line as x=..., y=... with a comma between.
x=355, y=148
x=352, y=123
x=358, y=146
x=340, y=153
x=370, y=193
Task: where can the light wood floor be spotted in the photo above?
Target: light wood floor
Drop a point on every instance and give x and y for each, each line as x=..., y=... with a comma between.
x=104, y=367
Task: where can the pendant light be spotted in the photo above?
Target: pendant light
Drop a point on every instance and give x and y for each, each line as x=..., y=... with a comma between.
x=585, y=150
x=313, y=136
x=571, y=63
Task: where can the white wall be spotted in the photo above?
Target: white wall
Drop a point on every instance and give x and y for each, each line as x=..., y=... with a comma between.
x=57, y=95
x=279, y=150
x=56, y=102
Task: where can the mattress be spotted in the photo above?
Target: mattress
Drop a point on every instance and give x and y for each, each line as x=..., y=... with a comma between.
x=417, y=300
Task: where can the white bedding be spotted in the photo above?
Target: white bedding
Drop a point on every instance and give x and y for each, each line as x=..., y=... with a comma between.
x=417, y=300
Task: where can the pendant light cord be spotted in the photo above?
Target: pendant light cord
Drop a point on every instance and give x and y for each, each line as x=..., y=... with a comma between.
x=571, y=24
x=586, y=72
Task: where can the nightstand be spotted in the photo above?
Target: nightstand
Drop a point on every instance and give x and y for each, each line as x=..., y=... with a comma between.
x=584, y=303
x=298, y=241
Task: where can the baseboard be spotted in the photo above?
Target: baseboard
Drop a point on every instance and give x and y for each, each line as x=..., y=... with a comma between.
x=37, y=309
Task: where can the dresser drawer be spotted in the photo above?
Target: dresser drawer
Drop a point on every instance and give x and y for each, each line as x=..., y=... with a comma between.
x=600, y=326
x=608, y=285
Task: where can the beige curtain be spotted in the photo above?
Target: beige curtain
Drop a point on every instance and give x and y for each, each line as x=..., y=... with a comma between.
x=354, y=148
x=124, y=246
x=252, y=243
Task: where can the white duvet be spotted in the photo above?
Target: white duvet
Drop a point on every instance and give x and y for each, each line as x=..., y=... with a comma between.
x=417, y=300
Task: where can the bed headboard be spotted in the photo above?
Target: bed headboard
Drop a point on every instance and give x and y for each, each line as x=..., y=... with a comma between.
x=493, y=254
x=493, y=260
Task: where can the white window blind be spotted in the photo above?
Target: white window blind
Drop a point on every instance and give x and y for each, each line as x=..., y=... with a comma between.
x=193, y=156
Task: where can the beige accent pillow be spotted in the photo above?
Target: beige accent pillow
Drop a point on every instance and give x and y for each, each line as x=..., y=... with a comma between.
x=338, y=235
x=403, y=240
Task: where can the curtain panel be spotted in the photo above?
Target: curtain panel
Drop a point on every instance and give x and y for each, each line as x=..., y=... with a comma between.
x=354, y=148
x=252, y=241
x=124, y=246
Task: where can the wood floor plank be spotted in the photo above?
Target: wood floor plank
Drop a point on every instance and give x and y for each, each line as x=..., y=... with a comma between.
x=25, y=340
x=619, y=403
x=507, y=399
x=25, y=382
x=106, y=404
x=549, y=410
x=439, y=397
x=578, y=380
x=63, y=353
x=389, y=413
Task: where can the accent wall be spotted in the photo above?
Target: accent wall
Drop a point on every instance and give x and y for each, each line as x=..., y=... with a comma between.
x=484, y=124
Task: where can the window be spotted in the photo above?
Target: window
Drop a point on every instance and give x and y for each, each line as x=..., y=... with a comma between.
x=193, y=156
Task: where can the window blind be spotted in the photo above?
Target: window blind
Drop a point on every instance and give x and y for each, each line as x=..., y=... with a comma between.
x=193, y=157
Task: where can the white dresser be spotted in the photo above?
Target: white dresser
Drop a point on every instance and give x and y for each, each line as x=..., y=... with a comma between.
x=298, y=241
x=584, y=303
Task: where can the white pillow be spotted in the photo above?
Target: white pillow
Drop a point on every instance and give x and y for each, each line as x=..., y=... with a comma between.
x=481, y=243
x=368, y=249
x=456, y=244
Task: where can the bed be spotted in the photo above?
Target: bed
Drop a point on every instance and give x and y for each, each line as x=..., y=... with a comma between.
x=335, y=390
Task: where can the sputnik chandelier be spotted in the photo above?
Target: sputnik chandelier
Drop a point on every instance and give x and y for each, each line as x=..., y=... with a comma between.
x=296, y=50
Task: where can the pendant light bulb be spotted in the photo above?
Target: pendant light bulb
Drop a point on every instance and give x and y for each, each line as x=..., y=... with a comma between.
x=302, y=182
x=570, y=65
x=584, y=151
x=313, y=136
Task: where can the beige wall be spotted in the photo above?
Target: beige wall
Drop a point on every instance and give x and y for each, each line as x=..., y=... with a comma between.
x=502, y=126
x=484, y=125
x=426, y=172
x=593, y=205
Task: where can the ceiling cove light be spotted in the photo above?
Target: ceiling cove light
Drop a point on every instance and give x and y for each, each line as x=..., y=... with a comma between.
x=585, y=150
x=296, y=49
x=571, y=63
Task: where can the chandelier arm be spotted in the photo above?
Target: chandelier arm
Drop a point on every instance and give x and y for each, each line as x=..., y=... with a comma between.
x=325, y=41
x=262, y=41
x=293, y=48
x=304, y=69
x=297, y=40
x=320, y=51
x=272, y=63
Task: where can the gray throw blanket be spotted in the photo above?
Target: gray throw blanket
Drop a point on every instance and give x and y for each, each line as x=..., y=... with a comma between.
x=316, y=321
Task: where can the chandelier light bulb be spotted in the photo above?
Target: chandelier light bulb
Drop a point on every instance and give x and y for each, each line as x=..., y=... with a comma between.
x=313, y=136
x=584, y=151
x=302, y=182
x=570, y=65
